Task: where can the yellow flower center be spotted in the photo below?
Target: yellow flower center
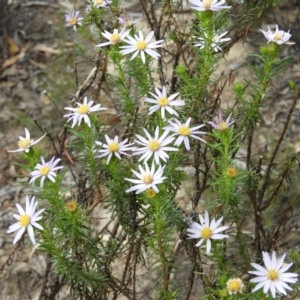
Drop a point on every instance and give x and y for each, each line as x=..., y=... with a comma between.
x=231, y=172
x=23, y=144
x=273, y=274
x=98, y=2
x=147, y=179
x=83, y=109
x=71, y=205
x=222, y=125
x=184, y=130
x=44, y=170
x=206, y=233
x=234, y=285
x=207, y=4
x=213, y=40
x=153, y=145
x=115, y=38
x=73, y=21
x=113, y=147
x=141, y=45
x=163, y=101
x=128, y=23
x=150, y=193
x=277, y=36
x=24, y=220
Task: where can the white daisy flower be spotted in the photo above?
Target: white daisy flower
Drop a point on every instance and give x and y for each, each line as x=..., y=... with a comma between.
x=217, y=39
x=147, y=179
x=114, y=38
x=26, y=219
x=45, y=170
x=25, y=142
x=213, y=5
x=278, y=36
x=154, y=146
x=73, y=20
x=114, y=147
x=273, y=276
x=140, y=45
x=206, y=230
x=220, y=123
x=127, y=21
x=234, y=286
x=163, y=102
x=184, y=132
x=102, y=3
x=82, y=112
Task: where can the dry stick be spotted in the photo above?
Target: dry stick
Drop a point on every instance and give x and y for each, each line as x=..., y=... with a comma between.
x=220, y=91
x=127, y=263
x=174, y=76
x=283, y=176
x=156, y=28
x=45, y=279
x=254, y=16
x=82, y=91
x=78, y=93
x=134, y=275
x=267, y=176
x=115, y=285
x=191, y=282
x=10, y=258
x=147, y=15
x=100, y=199
x=284, y=218
x=58, y=111
x=252, y=192
x=198, y=187
x=250, y=137
x=40, y=3
x=48, y=135
x=252, y=196
x=257, y=203
x=76, y=75
x=62, y=140
x=182, y=53
x=132, y=120
x=193, y=271
x=172, y=261
x=104, y=228
x=197, y=176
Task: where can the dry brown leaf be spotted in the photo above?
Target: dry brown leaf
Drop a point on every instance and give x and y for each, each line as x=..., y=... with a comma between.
x=10, y=61
x=7, y=84
x=38, y=65
x=13, y=47
x=13, y=71
x=47, y=49
x=5, y=204
x=109, y=119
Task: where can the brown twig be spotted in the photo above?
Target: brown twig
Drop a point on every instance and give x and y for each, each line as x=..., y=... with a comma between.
x=271, y=161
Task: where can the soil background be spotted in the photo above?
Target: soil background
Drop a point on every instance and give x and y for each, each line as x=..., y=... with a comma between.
x=37, y=79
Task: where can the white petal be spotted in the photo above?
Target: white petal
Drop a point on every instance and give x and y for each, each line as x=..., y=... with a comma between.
x=267, y=286
x=31, y=234
x=208, y=246
x=14, y=227
x=19, y=235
